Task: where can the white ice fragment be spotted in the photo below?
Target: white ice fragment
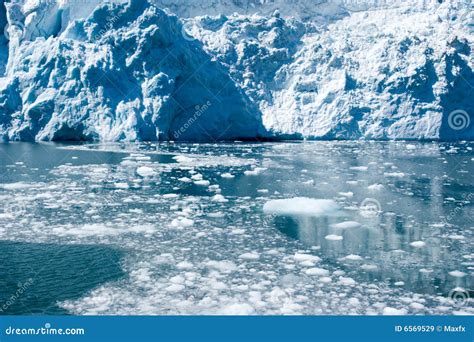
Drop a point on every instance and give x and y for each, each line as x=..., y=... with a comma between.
x=219, y=198
x=457, y=274
x=227, y=175
x=315, y=271
x=346, y=225
x=301, y=206
x=346, y=281
x=183, y=159
x=418, y=244
x=121, y=185
x=249, y=256
x=353, y=257
x=145, y=171
x=375, y=187
x=394, y=174
x=202, y=182
x=348, y=194
x=175, y=288
x=359, y=168
x=388, y=311
x=170, y=195
x=301, y=257
x=333, y=237
x=223, y=266
x=255, y=172
x=184, y=265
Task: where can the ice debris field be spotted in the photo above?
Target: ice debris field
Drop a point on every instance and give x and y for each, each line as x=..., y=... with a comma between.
x=302, y=228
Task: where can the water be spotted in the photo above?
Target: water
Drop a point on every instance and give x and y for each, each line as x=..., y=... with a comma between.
x=180, y=229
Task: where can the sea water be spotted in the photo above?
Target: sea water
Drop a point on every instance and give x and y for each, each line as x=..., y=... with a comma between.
x=237, y=228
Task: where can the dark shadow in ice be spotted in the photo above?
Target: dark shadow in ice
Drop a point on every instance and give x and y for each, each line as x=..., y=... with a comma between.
x=35, y=277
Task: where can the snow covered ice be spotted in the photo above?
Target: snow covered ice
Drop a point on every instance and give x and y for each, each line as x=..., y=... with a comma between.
x=224, y=70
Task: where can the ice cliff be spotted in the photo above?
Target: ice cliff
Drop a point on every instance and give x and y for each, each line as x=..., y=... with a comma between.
x=236, y=69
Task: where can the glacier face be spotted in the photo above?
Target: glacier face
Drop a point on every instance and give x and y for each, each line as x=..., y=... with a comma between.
x=236, y=69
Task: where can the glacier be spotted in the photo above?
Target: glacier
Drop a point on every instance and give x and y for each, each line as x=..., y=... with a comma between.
x=236, y=70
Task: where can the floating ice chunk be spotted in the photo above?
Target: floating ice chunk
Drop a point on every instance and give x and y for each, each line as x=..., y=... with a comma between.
x=388, y=311
x=227, y=175
x=219, y=198
x=223, y=266
x=315, y=271
x=456, y=237
x=346, y=225
x=353, y=301
x=418, y=244
x=301, y=206
x=333, y=237
x=394, y=174
x=202, y=182
x=196, y=177
x=417, y=306
x=353, y=257
x=121, y=185
x=457, y=274
x=368, y=267
x=425, y=270
x=185, y=180
x=184, y=265
x=375, y=187
x=301, y=257
x=182, y=222
x=249, y=256
x=346, y=281
x=359, y=168
x=255, y=172
x=175, y=288
x=237, y=309
x=145, y=171
x=325, y=280
x=347, y=194
x=183, y=159
x=170, y=195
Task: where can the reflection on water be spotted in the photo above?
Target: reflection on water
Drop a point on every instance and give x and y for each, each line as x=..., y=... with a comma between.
x=384, y=244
